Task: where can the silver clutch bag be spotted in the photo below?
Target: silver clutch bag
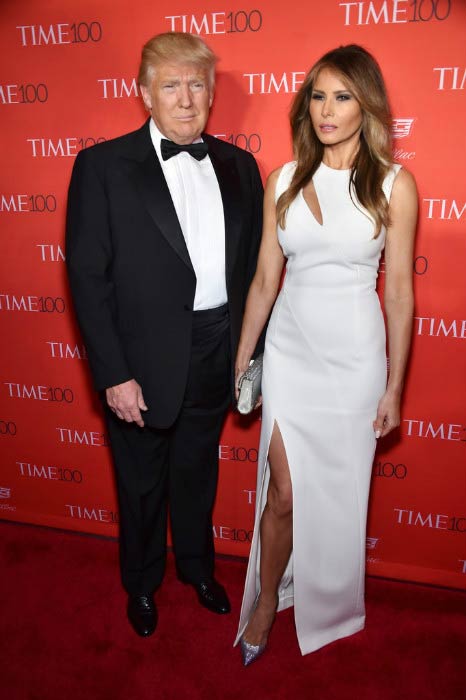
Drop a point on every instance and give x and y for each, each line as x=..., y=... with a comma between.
x=250, y=386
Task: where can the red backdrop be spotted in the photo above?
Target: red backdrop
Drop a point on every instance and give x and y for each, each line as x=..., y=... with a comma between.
x=68, y=80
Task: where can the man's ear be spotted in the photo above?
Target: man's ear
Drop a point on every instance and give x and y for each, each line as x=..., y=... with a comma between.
x=146, y=97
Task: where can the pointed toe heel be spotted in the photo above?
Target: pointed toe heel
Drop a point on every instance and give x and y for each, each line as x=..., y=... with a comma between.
x=250, y=652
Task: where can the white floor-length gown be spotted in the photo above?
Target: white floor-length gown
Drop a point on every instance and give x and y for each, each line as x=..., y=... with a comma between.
x=324, y=373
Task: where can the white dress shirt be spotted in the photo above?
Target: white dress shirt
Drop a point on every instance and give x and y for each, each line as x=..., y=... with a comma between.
x=198, y=203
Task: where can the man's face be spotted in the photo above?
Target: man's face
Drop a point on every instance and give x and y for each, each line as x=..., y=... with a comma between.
x=179, y=98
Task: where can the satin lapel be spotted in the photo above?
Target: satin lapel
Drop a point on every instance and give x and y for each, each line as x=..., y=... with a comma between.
x=230, y=189
x=148, y=177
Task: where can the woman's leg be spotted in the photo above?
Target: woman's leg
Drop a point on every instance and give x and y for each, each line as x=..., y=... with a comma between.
x=276, y=537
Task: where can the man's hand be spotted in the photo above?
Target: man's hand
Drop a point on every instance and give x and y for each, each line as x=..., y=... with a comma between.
x=127, y=402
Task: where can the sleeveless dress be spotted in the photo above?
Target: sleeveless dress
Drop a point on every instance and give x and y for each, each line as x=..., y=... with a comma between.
x=324, y=372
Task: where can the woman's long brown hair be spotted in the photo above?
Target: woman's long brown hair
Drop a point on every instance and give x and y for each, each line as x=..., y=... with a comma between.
x=361, y=74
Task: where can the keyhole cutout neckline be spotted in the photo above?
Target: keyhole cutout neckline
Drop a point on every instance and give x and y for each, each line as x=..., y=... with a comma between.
x=313, y=205
x=316, y=212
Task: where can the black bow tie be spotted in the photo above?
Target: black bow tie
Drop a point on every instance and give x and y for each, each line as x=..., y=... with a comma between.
x=196, y=150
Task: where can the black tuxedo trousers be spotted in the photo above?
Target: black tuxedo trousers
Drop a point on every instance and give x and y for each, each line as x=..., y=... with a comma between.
x=178, y=465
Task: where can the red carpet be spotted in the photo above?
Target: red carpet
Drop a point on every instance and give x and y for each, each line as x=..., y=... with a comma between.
x=64, y=636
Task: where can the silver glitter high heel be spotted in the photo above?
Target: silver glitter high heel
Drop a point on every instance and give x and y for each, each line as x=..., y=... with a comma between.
x=250, y=652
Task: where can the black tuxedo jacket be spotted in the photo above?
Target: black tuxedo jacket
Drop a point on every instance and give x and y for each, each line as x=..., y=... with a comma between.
x=131, y=277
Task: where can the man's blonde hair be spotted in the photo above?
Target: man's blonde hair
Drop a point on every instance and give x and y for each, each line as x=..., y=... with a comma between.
x=175, y=47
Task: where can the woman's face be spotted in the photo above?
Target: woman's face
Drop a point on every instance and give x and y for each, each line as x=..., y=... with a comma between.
x=335, y=113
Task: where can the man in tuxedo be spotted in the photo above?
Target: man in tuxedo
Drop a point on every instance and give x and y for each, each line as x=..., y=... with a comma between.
x=163, y=230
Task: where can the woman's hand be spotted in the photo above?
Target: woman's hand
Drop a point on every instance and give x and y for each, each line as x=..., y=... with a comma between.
x=240, y=369
x=388, y=413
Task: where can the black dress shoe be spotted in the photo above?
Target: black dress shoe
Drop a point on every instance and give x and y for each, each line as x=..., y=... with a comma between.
x=142, y=614
x=212, y=596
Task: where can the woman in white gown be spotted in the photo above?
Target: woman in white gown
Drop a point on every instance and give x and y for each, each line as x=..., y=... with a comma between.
x=326, y=398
